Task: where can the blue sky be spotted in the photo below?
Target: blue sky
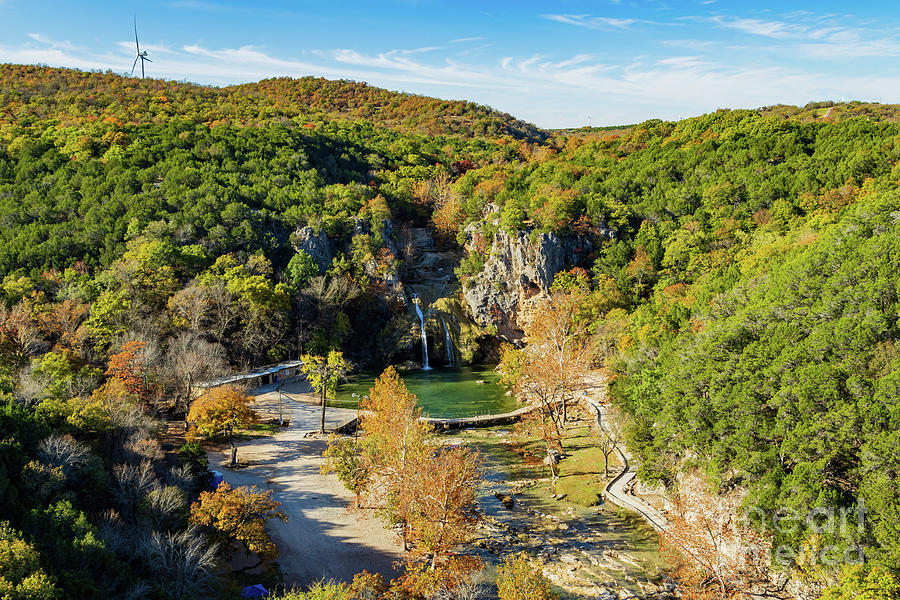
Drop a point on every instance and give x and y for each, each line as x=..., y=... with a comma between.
x=556, y=64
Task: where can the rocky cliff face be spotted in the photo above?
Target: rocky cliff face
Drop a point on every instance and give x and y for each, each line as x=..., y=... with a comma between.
x=460, y=324
x=316, y=244
x=518, y=272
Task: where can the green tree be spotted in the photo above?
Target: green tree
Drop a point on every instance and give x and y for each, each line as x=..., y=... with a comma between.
x=107, y=318
x=324, y=373
x=342, y=457
x=300, y=269
x=859, y=582
x=21, y=576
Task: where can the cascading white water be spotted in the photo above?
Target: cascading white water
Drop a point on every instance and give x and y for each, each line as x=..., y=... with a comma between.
x=425, y=365
x=448, y=343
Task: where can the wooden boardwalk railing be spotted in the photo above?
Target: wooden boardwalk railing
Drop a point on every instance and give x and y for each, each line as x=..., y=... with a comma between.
x=460, y=422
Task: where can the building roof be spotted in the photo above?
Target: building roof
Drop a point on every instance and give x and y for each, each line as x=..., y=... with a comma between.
x=259, y=372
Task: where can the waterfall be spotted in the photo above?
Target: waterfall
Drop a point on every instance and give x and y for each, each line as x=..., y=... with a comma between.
x=425, y=365
x=448, y=343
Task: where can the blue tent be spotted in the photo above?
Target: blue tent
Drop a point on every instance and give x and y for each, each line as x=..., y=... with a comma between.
x=254, y=591
x=217, y=478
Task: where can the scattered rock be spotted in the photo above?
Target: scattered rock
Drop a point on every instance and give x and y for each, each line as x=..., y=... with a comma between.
x=508, y=501
x=559, y=496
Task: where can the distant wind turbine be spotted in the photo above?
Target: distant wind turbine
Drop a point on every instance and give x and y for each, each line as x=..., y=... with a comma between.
x=141, y=56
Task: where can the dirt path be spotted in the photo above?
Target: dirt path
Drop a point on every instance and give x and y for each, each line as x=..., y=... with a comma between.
x=615, y=490
x=321, y=539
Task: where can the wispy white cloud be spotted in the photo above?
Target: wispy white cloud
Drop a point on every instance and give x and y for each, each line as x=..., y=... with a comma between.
x=683, y=62
x=673, y=78
x=809, y=35
x=774, y=29
x=57, y=44
x=424, y=49
x=395, y=62
x=691, y=44
x=854, y=49
x=463, y=40
x=592, y=22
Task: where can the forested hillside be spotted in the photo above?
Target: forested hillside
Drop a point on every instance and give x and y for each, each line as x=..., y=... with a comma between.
x=148, y=244
x=746, y=307
x=741, y=285
x=76, y=96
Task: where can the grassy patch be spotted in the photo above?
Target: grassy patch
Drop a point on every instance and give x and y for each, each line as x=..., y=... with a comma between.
x=258, y=430
x=581, y=475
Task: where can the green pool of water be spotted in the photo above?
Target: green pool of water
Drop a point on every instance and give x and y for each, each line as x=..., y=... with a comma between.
x=450, y=392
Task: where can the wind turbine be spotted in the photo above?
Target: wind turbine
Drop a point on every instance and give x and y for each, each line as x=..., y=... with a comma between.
x=142, y=56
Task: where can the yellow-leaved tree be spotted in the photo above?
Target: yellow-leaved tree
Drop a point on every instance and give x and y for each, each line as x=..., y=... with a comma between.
x=238, y=517
x=221, y=410
x=521, y=578
x=21, y=575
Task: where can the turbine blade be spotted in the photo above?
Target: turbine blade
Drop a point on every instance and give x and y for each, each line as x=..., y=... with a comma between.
x=147, y=59
x=134, y=65
x=136, y=43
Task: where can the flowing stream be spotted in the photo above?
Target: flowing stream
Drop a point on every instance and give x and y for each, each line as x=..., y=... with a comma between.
x=425, y=365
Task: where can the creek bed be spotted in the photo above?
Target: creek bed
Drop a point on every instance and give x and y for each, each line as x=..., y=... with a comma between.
x=585, y=551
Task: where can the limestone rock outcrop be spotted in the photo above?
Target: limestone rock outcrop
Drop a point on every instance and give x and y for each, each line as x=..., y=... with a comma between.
x=316, y=244
x=518, y=271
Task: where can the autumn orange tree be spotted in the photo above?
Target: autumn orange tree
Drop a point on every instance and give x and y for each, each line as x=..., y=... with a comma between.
x=395, y=442
x=128, y=366
x=547, y=372
x=237, y=517
x=221, y=410
x=400, y=467
x=442, y=503
x=558, y=352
